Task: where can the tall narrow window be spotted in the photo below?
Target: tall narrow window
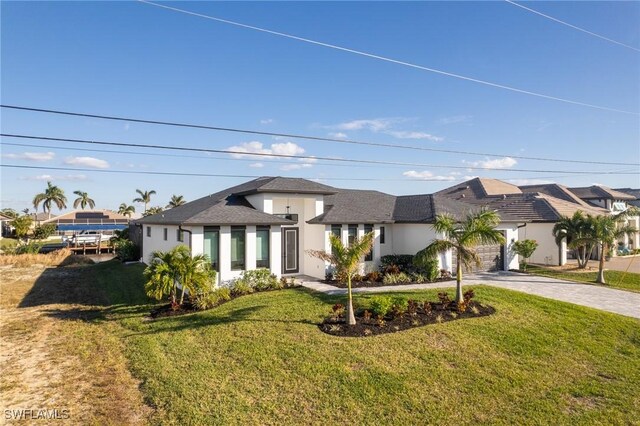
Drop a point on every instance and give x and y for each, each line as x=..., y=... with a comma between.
x=382, y=235
x=262, y=247
x=369, y=256
x=353, y=234
x=165, y=234
x=212, y=245
x=336, y=230
x=179, y=236
x=148, y=231
x=237, y=248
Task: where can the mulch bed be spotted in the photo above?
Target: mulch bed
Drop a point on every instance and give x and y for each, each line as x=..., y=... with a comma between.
x=373, y=284
x=167, y=311
x=389, y=324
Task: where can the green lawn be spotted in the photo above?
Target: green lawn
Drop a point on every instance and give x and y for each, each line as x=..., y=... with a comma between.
x=261, y=359
x=8, y=243
x=616, y=279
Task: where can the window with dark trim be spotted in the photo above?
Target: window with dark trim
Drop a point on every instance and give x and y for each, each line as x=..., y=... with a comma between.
x=148, y=231
x=179, y=236
x=337, y=231
x=238, y=236
x=165, y=233
x=352, y=234
x=382, y=235
x=212, y=245
x=369, y=256
x=262, y=246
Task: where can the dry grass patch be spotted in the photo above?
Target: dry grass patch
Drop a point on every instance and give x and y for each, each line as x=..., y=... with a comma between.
x=62, y=257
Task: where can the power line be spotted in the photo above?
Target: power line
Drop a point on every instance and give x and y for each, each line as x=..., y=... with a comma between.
x=387, y=59
x=306, y=137
x=573, y=26
x=306, y=157
x=157, y=154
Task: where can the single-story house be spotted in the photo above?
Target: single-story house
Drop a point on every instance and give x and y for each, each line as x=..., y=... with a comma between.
x=74, y=222
x=5, y=229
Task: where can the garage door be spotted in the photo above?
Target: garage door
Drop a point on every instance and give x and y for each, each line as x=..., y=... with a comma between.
x=491, y=257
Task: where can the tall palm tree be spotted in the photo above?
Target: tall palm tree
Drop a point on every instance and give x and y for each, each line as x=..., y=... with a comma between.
x=346, y=261
x=51, y=195
x=476, y=229
x=126, y=210
x=604, y=231
x=574, y=229
x=176, y=200
x=83, y=200
x=145, y=197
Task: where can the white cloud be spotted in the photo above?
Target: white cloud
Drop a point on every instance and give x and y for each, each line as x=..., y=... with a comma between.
x=413, y=135
x=375, y=125
x=426, y=175
x=52, y=178
x=522, y=182
x=87, y=162
x=498, y=163
x=266, y=121
x=288, y=167
x=455, y=119
x=287, y=148
x=32, y=156
x=256, y=165
x=338, y=135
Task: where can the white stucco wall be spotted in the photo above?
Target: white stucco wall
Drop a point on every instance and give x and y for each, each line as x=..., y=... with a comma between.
x=156, y=241
x=548, y=252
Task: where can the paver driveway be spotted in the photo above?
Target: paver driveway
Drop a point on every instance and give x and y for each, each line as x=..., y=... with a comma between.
x=607, y=299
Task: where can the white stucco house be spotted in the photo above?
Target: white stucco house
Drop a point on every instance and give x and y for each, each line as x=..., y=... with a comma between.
x=270, y=222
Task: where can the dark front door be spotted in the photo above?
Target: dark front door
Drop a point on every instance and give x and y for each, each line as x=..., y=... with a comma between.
x=290, y=251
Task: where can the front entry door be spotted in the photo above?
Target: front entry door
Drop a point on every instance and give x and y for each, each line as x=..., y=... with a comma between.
x=290, y=255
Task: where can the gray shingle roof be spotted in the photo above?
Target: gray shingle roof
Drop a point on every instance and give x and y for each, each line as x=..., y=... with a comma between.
x=286, y=185
x=553, y=189
x=351, y=206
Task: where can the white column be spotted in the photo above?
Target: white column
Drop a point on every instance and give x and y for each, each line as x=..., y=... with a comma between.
x=225, y=253
x=250, y=245
x=267, y=204
x=197, y=239
x=275, y=250
x=376, y=245
x=563, y=252
x=345, y=235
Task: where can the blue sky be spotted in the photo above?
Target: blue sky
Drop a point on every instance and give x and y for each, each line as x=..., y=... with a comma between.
x=135, y=60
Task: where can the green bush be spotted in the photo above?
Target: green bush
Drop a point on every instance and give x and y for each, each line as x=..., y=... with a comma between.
x=240, y=287
x=260, y=279
x=44, y=231
x=212, y=299
x=399, y=278
x=380, y=305
x=399, y=305
x=126, y=250
x=418, y=278
x=429, y=267
x=404, y=262
x=30, y=248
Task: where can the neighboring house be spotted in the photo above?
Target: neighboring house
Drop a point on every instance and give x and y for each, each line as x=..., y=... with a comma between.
x=104, y=221
x=5, y=229
x=271, y=222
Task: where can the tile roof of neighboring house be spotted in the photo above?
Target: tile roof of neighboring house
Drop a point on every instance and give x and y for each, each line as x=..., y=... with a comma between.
x=555, y=190
x=478, y=189
x=88, y=216
x=39, y=217
x=596, y=192
x=5, y=217
x=634, y=192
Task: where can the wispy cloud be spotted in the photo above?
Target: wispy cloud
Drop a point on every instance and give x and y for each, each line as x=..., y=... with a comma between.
x=455, y=119
x=498, y=163
x=400, y=134
x=519, y=182
x=267, y=121
x=388, y=126
x=427, y=175
x=87, y=162
x=249, y=149
x=338, y=135
x=374, y=125
x=256, y=165
x=32, y=156
x=52, y=178
x=299, y=166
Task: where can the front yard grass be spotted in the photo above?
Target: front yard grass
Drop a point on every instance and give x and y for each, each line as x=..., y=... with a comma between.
x=629, y=281
x=261, y=359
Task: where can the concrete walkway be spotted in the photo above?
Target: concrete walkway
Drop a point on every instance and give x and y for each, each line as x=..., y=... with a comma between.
x=606, y=299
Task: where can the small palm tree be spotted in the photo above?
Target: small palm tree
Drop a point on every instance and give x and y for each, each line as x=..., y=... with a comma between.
x=162, y=276
x=126, y=210
x=195, y=272
x=346, y=261
x=145, y=197
x=176, y=200
x=51, y=195
x=574, y=229
x=83, y=200
x=463, y=237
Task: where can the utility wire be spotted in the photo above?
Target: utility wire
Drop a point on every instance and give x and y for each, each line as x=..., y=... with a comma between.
x=306, y=157
x=306, y=137
x=387, y=59
x=573, y=26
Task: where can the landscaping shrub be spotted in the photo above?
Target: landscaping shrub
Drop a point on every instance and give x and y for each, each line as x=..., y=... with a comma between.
x=240, y=287
x=445, y=274
x=399, y=306
x=381, y=305
x=418, y=278
x=260, y=279
x=403, y=261
x=44, y=231
x=373, y=276
x=30, y=248
x=399, y=278
x=212, y=299
x=126, y=250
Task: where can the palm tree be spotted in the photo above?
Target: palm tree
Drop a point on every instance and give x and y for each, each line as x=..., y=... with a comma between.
x=604, y=231
x=476, y=229
x=126, y=210
x=145, y=197
x=51, y=195
x=83, y=200
x=346, y=261
x=176, y=200
x=169, y=269
x=574, y=229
